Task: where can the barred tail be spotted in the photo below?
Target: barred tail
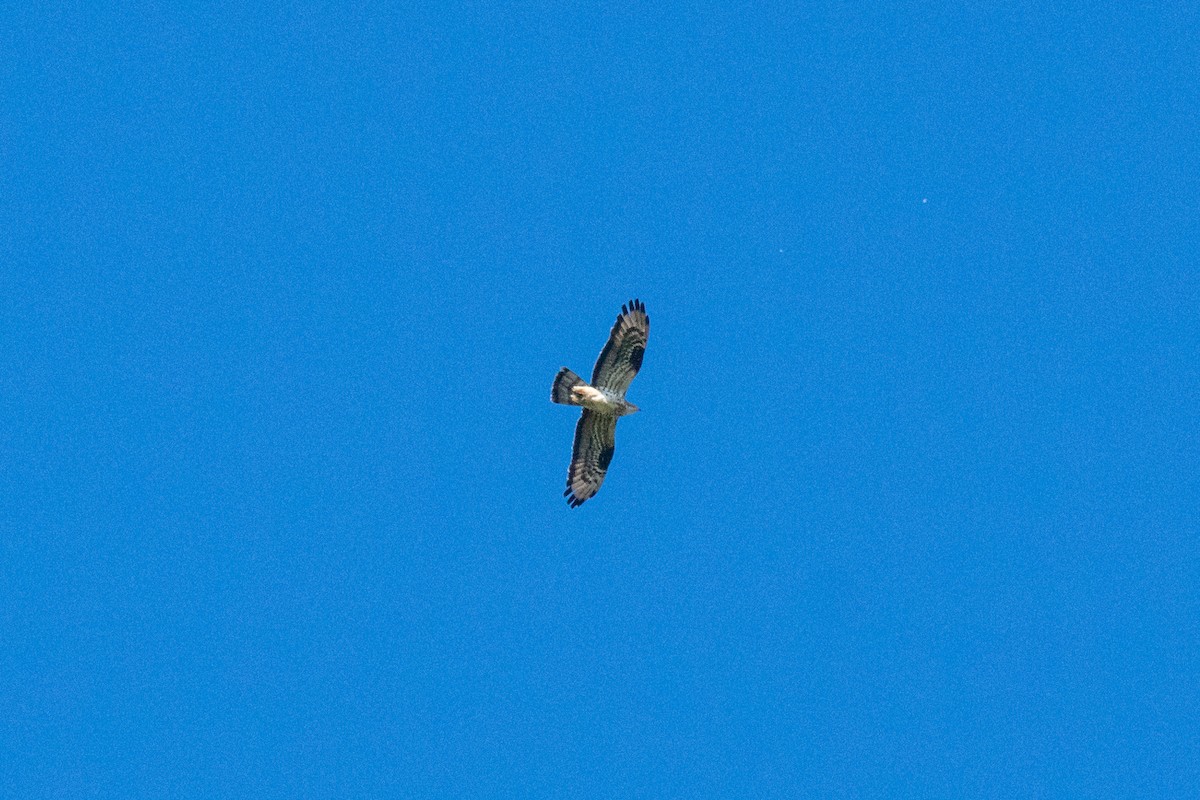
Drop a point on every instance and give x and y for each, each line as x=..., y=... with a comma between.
x=564, y=382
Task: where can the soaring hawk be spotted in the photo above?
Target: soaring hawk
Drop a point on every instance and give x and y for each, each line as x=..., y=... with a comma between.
x=603, y=401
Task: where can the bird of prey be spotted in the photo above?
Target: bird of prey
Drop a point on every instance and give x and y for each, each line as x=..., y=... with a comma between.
x=603, y=401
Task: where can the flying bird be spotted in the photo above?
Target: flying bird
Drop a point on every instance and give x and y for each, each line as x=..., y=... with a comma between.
x=603, y=401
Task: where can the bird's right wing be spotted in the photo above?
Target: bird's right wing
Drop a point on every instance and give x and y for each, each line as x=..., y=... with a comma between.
x=595, y=439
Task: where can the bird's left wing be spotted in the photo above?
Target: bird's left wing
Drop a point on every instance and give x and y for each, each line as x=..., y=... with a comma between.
x=621, y=358
x=595, y=438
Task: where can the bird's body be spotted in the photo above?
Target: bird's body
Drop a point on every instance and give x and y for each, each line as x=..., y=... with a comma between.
x=603, y=401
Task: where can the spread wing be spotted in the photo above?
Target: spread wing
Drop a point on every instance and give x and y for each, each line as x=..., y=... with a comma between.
x=594, y=441
x=621, y=358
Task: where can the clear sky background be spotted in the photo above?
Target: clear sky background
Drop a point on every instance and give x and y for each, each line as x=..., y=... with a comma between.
x=910, y=509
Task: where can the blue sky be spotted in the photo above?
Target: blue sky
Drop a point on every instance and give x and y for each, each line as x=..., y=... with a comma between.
x=910, y=509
